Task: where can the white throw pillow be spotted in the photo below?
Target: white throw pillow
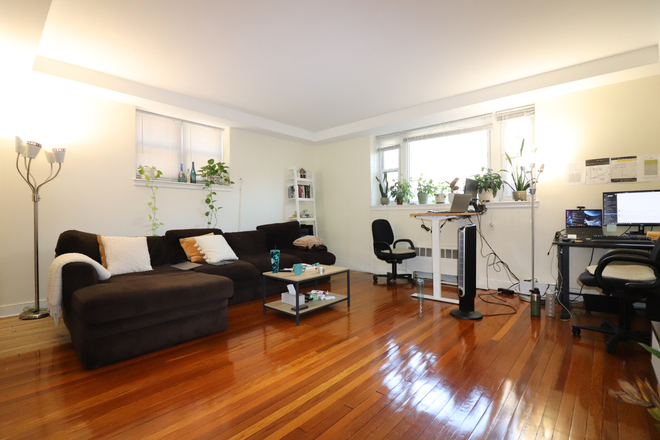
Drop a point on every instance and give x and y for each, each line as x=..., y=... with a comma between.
x=126, y=254
x=215, y=248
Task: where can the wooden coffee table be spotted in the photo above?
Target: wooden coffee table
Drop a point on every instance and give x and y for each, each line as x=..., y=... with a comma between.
x=310, y=274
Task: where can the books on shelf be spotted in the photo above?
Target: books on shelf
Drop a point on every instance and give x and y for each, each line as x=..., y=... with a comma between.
x=304, y=192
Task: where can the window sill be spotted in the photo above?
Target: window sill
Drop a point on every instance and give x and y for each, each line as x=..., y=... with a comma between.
x=180, y=185
x=505, y=204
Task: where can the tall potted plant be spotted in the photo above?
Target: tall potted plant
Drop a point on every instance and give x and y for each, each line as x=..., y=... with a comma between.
x=384, y=191
x=402, y=191
x=213, y=173
x=520, y=182
x=488, y=183
x=424, y=189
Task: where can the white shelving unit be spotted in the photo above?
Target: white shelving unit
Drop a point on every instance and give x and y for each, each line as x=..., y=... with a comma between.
x=300, y=198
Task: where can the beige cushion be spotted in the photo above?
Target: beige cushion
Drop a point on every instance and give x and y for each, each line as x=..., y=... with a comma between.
x=215, y=249
x=399, y=251
x=626, y=272
x=308, y=241
x=189, y=246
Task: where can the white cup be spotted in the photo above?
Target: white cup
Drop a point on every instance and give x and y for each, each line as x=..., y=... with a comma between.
x=321, y=270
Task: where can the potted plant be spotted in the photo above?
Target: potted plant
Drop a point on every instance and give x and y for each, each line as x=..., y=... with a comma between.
x=488, y=183
x=424, y=189
x=150, y=174
x=402, y=191
x=384, y=192
x=518, y=177
x=452, y=187
x=213, y=173
x=441, y=192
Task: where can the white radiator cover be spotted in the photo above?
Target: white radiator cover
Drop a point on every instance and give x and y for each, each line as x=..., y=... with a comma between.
x=423, y=261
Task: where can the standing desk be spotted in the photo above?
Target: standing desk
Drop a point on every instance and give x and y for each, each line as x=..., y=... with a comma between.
x=563, y=263
x=435, y=218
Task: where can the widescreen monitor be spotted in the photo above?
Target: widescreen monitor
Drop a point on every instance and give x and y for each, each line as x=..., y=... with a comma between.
x=632, y=208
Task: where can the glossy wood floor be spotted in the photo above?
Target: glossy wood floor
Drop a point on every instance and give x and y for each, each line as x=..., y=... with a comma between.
x=383, y=369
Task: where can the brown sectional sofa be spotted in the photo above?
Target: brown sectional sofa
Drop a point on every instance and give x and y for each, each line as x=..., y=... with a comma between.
x=136, y=313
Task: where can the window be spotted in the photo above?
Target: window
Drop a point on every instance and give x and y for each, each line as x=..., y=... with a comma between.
x=458, y=148
x=167, y=143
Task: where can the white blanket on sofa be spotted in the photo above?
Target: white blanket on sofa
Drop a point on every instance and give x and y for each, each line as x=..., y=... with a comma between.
x=54, y=292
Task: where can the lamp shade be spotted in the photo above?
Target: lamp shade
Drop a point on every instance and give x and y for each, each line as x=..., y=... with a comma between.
x=20, y=145
x=32, y=150
x=55, y=155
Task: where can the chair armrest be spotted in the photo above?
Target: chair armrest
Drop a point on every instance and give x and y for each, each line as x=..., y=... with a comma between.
x=405, y=240
x=606, y=261
x=76, y=276
x=637, y=252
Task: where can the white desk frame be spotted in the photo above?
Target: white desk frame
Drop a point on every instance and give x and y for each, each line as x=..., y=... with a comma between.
x=435, y=218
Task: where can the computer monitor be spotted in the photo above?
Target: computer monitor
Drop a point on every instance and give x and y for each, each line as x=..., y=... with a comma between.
x=584, y=218
x=471, y=187
x=632, y=208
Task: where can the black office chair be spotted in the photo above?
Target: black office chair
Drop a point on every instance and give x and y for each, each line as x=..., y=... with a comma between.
x=638, y=278
x=386, y=250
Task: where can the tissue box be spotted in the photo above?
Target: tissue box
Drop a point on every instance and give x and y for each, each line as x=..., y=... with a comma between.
x=287, y=298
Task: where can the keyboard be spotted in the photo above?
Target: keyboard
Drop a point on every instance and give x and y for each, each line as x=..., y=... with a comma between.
x=621, y=239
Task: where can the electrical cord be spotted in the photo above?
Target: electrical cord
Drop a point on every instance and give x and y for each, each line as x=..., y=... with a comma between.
x=492, y=259
x=506, y=304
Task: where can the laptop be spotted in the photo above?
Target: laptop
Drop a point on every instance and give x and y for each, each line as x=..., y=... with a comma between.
x=584, y=223
x=460, y=203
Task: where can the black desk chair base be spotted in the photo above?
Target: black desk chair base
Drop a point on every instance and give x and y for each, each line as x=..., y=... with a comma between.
x=392, y=277
x=620, y=335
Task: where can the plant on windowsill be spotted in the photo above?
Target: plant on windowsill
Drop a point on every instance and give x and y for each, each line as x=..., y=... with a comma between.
x=441, y=193
x=150, y=174
x=518, y=177
x=452, y=187
x=402, y=191
x=384, y=192
x=424, y=189
x=488, y=183
x=213, y=173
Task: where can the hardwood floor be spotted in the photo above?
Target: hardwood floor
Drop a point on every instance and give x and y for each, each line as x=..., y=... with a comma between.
x=383, y=369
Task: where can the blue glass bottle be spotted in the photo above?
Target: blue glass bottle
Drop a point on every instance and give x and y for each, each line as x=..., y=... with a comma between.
x=182, y=175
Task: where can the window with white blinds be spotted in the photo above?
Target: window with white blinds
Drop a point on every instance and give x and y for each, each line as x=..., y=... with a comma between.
x=167, y=143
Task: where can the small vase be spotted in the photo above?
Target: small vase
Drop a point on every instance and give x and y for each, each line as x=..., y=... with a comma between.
x=451, y=197
x=399, y=201
x=520, y=195
x=384, y=200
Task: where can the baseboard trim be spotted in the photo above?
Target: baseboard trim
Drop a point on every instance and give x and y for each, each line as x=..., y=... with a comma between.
x=16, y=309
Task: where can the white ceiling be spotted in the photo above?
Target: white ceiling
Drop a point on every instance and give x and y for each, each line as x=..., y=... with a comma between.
x=316, y=69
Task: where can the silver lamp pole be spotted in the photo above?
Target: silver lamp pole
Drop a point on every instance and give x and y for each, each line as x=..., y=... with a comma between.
x=30, y=150
x=534, y=178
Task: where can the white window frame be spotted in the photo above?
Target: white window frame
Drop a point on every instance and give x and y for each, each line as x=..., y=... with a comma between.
x=496, y=159
x=181, y=145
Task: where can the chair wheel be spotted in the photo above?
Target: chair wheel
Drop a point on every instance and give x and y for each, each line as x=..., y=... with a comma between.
x=390, y=282
x=611, y=349
x=576, y=331
x=375, y=279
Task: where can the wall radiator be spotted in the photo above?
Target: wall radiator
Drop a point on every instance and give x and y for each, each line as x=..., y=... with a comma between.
x=422, y=263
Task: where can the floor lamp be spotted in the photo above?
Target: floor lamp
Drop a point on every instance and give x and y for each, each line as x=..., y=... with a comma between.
x=30, y=150
x=534, y=178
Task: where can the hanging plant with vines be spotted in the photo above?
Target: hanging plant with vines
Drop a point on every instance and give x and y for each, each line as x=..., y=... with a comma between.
x=213, y=173
x=150, y=174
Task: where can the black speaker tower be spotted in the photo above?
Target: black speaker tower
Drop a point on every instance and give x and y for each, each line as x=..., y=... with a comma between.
x=467, y=274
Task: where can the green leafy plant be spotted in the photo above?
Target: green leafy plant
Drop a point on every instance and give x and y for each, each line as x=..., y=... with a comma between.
x=402, y=191
x=519, y=179
x=452, y=185
x=489, y=179
x=442, y=188
x=384, y=192
x=641, y=392
x=425, y=186
x=150, y=174
x=213, y=173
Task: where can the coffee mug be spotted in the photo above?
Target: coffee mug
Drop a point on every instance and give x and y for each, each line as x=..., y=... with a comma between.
x=298, y=269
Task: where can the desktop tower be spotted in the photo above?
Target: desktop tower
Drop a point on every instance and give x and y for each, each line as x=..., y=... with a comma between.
x=467, y=274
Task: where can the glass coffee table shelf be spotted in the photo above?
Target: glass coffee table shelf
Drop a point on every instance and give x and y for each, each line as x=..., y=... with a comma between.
x=310, y=274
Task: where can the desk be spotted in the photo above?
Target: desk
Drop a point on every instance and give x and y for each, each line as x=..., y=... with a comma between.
x=435, y=218
x=563, y=263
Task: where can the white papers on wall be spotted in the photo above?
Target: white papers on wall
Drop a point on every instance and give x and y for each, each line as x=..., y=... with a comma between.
x=574, y=174
x=597, y=170
x=649, y=169
x=624, y=169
